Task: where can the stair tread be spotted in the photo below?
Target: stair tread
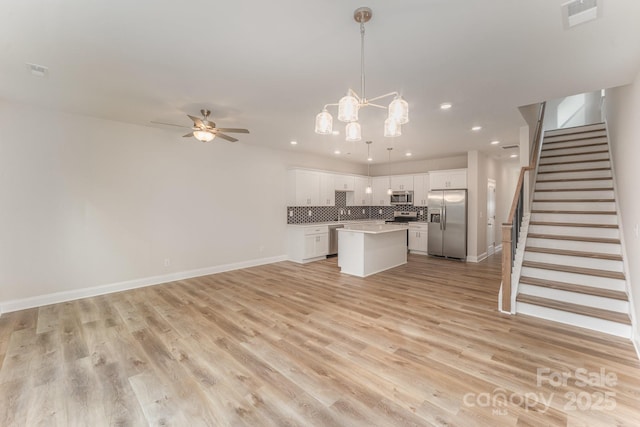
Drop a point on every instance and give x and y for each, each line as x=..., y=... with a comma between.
x=576, y=170
x=574, y=154
x=570, y=287
x=574, y=200
x=574, y=162
x=572, y=130
x=574, y=212
x=575, y=179
x=575, y=238
x=600, y=313
x=573, y=224
x=573, y=137
x=576, y=270
x=574, y=146
x=567, y=252
x=547, y=190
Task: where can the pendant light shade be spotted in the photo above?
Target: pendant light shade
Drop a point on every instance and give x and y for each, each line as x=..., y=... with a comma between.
x=324, y=123
x=348, y=109
x=392, y=128
x=353, y=131
x=368, y=190
x=203, y=135
x=399, y=110
x=389, y=190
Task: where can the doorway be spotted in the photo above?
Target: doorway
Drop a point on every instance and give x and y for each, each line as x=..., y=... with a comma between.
x=491, y=216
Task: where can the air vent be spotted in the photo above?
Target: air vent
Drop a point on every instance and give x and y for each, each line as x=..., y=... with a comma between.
x=38, y=70
x=509, y=147
x=580, y=11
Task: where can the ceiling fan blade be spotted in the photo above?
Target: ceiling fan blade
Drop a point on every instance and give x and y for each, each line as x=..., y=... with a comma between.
x=188, y=135
x=233, y=130
x=196, y=121
x=170, y=124
x=227, y=137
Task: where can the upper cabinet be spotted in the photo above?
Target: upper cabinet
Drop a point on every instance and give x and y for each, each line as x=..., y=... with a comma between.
x=303, y=188
x=344, y=182
x=420, y=189
x=380, y=186
x=327, y=196
x=402, y=183
x=448, y=179
x=359, y=196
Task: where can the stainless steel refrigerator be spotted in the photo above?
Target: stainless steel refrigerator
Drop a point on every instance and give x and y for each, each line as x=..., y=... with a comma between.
x=447, y=211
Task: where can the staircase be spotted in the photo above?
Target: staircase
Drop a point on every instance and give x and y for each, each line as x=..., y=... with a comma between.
x=572, y=270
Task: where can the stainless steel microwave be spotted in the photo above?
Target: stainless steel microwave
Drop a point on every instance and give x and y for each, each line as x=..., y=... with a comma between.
x=402, y=198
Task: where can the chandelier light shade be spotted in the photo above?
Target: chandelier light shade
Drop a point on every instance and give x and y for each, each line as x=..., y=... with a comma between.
x=203, y=135
x=399, y=110
x=324, y=123
x=354, y=133
x=368, y=190
x=351, y=103
x=392, y=128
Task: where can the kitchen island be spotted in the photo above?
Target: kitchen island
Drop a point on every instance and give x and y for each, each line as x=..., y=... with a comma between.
x=364, y=250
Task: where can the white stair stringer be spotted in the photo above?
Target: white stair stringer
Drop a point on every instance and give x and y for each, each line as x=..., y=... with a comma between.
x=517, y=262
x=569, y=268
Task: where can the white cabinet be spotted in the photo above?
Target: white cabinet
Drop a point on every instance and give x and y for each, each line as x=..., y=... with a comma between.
x=327, y=192
x=344, y=182
x=418, y=238
x=359, y=196
x=402, y=183
x=307, y=244
x=449, y=179
x=380, y=195
x=420, y=189
x=310, y=188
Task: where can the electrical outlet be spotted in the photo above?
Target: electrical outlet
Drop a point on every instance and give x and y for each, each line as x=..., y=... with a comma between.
x=380, y=211
x=349, y=212
x=167, y=262
x=290, y=213
x=421, y=212
x=310, y=213
x=362, y=211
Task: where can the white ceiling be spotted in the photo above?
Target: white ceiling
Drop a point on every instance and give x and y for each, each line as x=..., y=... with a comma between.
x=270, y=66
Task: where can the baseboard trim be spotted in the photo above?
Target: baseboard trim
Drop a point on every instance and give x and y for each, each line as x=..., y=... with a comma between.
x=499, y=248
x=64, y=296
x=478, y=258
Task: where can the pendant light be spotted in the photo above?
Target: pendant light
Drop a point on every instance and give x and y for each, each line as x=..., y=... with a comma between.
x=389, y=190
x=368, y=190
x=351, y=103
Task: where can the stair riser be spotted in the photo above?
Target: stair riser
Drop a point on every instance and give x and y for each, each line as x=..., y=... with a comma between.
x=573, y=130
x=603, y=183
x=573, y=150
x=574, y=261
x=590, y=232
x=575, y=218
x=579, y=320
x=558, y=195
x=574, y=298
x=574, y=166
x=574, y=175
x=574, y=278
x=573, y=245
x=574, y=158
x=575, y=206
x=583, y=136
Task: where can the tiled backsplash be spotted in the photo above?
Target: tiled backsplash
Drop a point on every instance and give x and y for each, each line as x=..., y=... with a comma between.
x=330, y=213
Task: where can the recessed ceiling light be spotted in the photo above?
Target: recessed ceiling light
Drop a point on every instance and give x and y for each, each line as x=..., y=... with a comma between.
x=294, y=142
x=445, y=105
x=476, y=128
x=408, y=154
x=513, y=156
x=495, y=142
x=336, y=152
x=335, y=132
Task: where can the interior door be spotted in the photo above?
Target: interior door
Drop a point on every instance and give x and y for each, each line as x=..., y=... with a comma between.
x=491, y=216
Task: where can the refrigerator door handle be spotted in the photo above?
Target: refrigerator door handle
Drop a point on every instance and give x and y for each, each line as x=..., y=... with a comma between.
x=443, y=221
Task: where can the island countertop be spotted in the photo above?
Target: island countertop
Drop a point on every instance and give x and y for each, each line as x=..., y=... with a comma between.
x=372, y=228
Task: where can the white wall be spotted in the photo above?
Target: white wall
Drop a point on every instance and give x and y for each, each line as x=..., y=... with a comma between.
x=419, y=166
x=87, y=202
x=623, y=121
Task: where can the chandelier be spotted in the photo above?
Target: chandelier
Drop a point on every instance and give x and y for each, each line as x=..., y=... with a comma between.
x=351, y=103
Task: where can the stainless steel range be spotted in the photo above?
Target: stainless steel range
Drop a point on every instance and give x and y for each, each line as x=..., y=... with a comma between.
x=403, y=217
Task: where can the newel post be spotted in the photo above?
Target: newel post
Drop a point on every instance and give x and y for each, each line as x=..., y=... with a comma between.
x=507, y=259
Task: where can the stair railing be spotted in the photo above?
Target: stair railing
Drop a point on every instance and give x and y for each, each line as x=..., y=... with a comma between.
x=511, y=228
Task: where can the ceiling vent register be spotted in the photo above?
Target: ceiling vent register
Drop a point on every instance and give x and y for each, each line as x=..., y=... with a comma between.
x=580, y=11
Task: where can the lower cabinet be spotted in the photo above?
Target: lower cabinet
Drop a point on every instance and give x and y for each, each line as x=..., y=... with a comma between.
x=418, y=238
x=305, y=244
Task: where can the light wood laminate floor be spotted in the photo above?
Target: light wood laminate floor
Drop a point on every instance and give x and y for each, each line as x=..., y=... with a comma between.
x=288, y=344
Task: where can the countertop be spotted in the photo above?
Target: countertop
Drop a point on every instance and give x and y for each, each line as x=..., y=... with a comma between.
x=345, y=222
x=373, y=228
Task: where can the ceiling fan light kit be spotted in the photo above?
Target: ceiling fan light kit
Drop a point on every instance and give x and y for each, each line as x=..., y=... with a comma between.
x=350, y=104
x=205, y=130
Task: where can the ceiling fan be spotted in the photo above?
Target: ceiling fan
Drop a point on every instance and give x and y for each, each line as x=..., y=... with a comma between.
x=205, y=130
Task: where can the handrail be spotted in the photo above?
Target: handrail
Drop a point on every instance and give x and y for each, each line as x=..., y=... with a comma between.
x=511, y=228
